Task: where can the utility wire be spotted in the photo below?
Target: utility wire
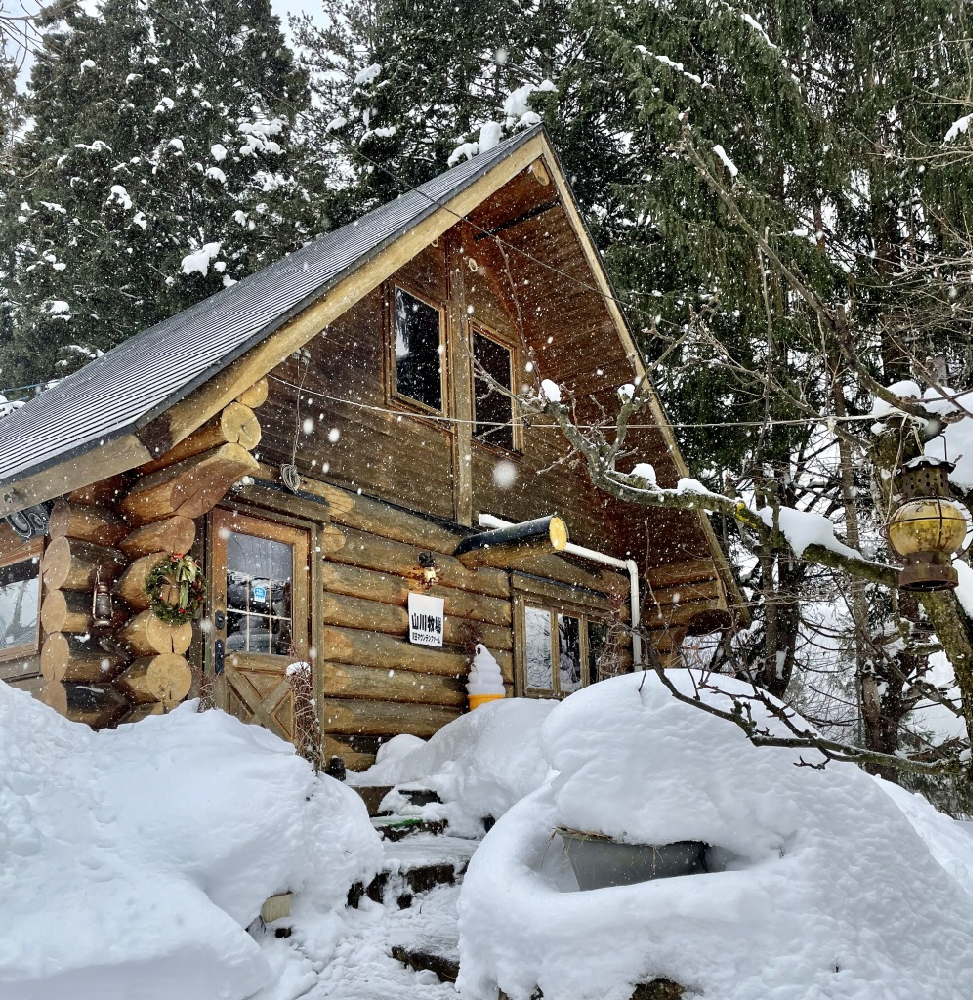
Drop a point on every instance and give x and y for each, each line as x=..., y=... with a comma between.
x=800, y=421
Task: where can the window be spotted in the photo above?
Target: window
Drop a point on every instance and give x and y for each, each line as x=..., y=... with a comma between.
x=494, y=411
x=20, y=591
x=260, y=579
x=259, y=594
x=418, y=351
x=561, y=650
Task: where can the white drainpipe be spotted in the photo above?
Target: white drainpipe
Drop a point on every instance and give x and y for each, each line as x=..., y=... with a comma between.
x=629, y=565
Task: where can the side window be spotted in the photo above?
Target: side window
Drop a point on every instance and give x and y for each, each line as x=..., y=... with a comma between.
x=418, y=351
x=20, y=591
x=559, y=651
x=494, y=411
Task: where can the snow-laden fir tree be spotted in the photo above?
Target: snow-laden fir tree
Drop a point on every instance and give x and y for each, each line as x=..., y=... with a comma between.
x=409, y=88
x=160, y=166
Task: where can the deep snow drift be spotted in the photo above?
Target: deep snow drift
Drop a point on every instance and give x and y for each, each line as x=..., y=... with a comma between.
x=835, y=894
x=480, y=764
x=131, y=861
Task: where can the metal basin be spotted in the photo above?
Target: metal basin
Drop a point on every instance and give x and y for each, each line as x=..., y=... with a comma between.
x=599, y=862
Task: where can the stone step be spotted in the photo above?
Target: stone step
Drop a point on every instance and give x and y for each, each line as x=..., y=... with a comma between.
x=394, y=828
x=429, y=958
x=418, y=865
x=426, y=938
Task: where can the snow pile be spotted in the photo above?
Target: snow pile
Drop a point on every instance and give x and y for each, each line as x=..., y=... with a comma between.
x=958, y=128
x=803, y=528
x=131, y=861
x=727, y=162
x=832, y=893
x=200, y=260
x=957, y=438
x=480, y=765
x=486, y=677
x=368, y=75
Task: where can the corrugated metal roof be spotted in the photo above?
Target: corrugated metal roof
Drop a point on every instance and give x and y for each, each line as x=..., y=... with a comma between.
x=133, y=383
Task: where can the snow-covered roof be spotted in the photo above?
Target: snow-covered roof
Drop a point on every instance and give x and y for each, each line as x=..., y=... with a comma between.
x=129, y=386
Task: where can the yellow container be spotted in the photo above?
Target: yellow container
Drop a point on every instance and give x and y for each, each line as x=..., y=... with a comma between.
x=476, y=700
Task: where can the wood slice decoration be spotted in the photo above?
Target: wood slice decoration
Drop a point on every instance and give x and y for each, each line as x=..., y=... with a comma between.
x=189, y=488
x=67, y=658
x=146, y=635
x=70, y=611
x=235, y=424
x=131, y=584
x=89, y=524
x=256, y=395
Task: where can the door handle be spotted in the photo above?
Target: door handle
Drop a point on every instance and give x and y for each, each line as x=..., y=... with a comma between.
x=219, y=657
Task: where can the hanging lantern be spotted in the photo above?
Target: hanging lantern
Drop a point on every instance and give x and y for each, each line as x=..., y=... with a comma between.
x=101, y=604
x=929, y=527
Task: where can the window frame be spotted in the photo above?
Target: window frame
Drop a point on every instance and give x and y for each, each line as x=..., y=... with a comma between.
x=508, y=343
x=523, y=600
x=392, y=392
x=299, y=538
x=9, y=556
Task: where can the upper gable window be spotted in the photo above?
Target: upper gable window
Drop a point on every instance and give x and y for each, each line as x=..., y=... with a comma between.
x=418, y=351
x=494, y=409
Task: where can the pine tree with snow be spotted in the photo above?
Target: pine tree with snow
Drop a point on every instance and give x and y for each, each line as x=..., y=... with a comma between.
x=411, y=88
x=161, y=166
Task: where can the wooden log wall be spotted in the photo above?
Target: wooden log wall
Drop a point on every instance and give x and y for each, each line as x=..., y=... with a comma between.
x=374, y=683
x=117, y=530
x=677, y=596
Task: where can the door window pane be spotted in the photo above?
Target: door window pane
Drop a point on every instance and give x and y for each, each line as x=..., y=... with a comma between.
x=259, y=586
x=598, y=667
x=418, y=361
x=19, y=594
x=493, y=408
x=569, y=639
x=537, y=649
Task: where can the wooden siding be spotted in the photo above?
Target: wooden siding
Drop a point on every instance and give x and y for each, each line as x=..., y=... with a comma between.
x=374, y=684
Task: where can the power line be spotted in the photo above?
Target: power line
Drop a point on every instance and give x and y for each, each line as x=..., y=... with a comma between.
x=439, y=418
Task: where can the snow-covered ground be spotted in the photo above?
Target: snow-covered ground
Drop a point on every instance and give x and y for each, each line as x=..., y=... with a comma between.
x=133, y=864
x=480, y=765
x=835, y=891
x=132, y=861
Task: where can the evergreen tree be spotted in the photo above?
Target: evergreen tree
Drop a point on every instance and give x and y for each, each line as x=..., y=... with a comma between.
x=161, y=165
x=409, y=86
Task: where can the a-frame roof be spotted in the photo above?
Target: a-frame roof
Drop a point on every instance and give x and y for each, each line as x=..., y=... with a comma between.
x=125, y=389
x=133, y=403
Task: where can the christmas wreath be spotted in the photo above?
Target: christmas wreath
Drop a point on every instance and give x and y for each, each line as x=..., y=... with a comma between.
x=176, y=589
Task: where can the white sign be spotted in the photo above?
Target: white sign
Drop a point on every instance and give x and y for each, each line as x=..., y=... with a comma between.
x=425, y=620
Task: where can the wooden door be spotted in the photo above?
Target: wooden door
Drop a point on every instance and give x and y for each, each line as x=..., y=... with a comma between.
x=260, y=574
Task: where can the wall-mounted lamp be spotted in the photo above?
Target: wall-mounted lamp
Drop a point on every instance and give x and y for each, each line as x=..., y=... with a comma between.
x=430, y=574
x=101, y=603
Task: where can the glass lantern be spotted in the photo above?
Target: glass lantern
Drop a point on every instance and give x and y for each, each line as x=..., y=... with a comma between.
x=928, y=528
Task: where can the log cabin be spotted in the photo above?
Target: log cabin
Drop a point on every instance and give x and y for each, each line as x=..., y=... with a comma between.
x=327, y=439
